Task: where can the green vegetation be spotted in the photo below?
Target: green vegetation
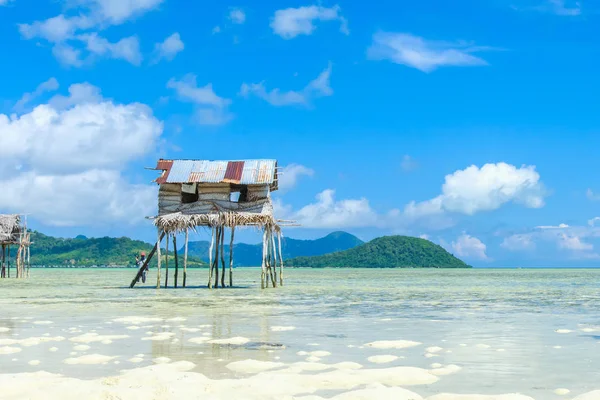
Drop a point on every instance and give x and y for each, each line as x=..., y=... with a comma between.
x=84, y=252
x=249, y=255
x=386, y=252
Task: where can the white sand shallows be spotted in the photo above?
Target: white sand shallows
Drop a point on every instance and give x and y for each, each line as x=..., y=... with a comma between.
x=234, y=341
x=133, y=320
x=382, y=359
x=161, y=360
x=53, y=349
x=160, y=336
x=94, y=337
x=43, y=322
x=9, y=350
x=253, y=366
x=282, y=328
x=563, y=331
x=34, y=362
x=91, y=359
x=150, y=382
x=32, y=341
x=595, y=395
x=562, y=392
x=81, y=347
x=199, y=340
x=446, y=396
x=136, y=360
x=3, y=329
x=393, y=344
x=433, y=349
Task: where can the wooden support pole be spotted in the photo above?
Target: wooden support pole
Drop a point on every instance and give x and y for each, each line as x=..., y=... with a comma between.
x=8, y=260
x=28, y=254
x=145, y=265
x=167, y=261
x=176, y=260
x=216, y=260
x=271, y=263
x=231, y=257
x=210, y=257
x=223, y=256
x=185, y=255
x=280, y=259
x=3, y=265
x=159, y=258
x=263, y=275
x=274, y=249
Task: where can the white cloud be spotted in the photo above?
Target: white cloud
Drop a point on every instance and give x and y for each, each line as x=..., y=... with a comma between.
x=169, y=48
x=424, y=236
x=518, y=242
x=327, y=212
x=62, y=163
x=237, y=16
x=408, y=163
x=559, y=226
x=216, y=30
x=4, y=2
x=212, y=109
x=289, y=176
x=470, y=247
x=48, y=86
x=291, y=22
x=79, y=25
x=318, y=87
x=592, y=222
x=424, y=55
x=127, y=49
x=560, y=7
x=487, y=188
x=572, y=242
x=591, y=195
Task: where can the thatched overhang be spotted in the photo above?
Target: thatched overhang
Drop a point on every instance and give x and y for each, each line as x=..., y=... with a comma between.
x=10, y=229
x=179, y=222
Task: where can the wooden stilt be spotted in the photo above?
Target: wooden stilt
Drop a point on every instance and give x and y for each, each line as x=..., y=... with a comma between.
x=145, y=265
x=185, y=255
x=280, y=259
x=271, y=262
x=274, y=250
x=263, y=275
x=210, y=257
x=28, y=254
x=159, y=258
x=176, y=260
x=223, y=256
x=8, y=260
x=231, y=257
x=3, y=265
x=216, y=260
x=167, y=261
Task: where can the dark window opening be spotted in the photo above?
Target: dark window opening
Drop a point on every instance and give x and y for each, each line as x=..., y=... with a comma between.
x=189, y=193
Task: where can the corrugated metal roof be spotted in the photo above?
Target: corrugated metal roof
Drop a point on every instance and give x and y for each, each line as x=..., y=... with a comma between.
x=245, y=172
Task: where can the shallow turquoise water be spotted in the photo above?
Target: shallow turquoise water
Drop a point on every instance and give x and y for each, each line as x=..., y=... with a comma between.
x=499, y=326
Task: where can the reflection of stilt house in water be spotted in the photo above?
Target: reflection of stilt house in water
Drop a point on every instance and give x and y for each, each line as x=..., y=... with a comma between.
x=14, y=234
x=218, y=195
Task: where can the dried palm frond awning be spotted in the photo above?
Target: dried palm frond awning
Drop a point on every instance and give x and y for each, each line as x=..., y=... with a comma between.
x=179, y=222
x=10, y=228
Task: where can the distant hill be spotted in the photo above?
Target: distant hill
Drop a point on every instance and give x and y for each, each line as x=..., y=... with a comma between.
x=84, y=252
x=386, y=252
x=249, y=255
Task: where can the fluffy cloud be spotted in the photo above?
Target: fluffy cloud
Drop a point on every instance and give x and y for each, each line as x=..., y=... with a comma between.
x=487, y=188
x=48, y=86
x=518, y=242
x=211, y=109
x=318, y=87
x=289, y=176
x=571, y=239
x=237, y=16
x=470, y=247
x=327, y=212
x=564, y=8
x=127, y=48
x=62, y=161
x=78, y=27
x=169, y=48
x=424, y=55
x=291, y=22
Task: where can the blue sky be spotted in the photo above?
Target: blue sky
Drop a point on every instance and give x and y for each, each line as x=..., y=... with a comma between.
x=471, y=123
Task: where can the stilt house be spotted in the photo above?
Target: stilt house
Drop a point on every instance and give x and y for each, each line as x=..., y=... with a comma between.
x=219, y=195
x=14, y=234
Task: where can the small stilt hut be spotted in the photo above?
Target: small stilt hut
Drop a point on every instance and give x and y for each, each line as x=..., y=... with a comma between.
x=14, y=233
x=218, y=195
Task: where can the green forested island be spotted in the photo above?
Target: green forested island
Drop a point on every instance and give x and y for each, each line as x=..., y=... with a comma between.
x=87, y=252
x=338, y=249
x=386, y=252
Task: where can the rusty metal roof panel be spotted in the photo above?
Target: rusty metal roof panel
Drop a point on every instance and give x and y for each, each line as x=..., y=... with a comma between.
x=266, y=172
x=233, y=173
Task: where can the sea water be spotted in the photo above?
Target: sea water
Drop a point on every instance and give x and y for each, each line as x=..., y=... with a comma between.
x=326, y=332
